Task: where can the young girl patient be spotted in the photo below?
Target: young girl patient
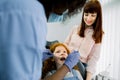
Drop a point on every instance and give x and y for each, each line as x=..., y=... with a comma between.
x=51, y=65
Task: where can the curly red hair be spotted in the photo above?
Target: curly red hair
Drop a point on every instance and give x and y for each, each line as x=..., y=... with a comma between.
x=53, y=47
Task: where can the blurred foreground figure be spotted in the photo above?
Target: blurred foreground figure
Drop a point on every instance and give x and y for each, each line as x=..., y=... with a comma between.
x=23, y=33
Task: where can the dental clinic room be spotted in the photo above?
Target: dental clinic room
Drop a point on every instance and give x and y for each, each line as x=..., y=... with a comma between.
x=108, y=66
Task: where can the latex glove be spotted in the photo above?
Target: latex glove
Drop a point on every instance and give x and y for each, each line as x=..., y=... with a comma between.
x=72, y=59
x=46, y=54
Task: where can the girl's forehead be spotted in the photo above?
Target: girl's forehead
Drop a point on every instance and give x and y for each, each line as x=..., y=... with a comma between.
x=60, y=47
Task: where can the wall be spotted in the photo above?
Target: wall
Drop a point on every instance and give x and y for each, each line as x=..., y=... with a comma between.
x=60, y=30
x=110, y=53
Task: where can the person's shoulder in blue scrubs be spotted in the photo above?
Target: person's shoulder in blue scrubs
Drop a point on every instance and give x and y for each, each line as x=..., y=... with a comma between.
x=22, y=39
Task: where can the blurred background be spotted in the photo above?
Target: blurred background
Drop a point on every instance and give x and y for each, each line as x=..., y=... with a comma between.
x=109, y=62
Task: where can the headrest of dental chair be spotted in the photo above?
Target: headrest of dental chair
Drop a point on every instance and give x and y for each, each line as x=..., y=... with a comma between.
x=49, y=43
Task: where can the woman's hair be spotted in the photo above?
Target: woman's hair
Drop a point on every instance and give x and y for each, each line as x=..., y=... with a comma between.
x=61, y=5
x=93, y=6
x=49, y=64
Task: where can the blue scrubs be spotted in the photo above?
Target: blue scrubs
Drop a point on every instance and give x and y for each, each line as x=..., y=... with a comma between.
x=22, y=39
x=58, y=18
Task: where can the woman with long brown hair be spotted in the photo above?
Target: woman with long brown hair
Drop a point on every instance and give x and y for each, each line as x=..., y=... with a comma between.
x=87, y=37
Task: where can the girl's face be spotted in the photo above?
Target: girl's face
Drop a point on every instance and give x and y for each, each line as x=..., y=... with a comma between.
x=89, y=18
x=60, y=54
